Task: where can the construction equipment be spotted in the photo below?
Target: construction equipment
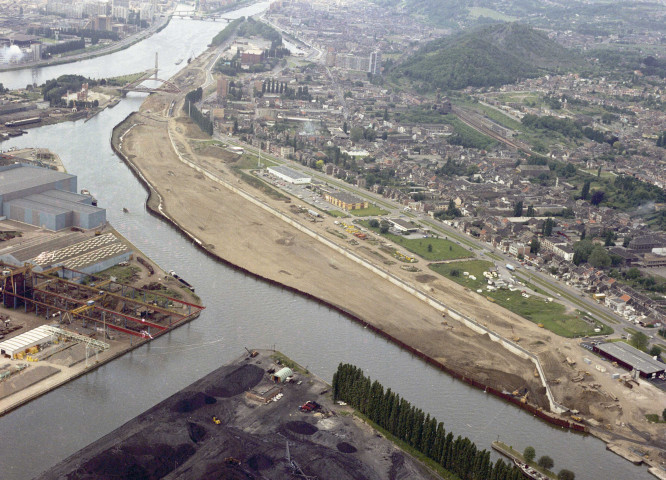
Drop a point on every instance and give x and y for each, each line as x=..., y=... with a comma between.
x=309, y=406
x=216, y=420
x=232, y=461
x=252, y=353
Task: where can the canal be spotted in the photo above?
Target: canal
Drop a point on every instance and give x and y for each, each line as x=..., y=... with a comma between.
x=241, y=311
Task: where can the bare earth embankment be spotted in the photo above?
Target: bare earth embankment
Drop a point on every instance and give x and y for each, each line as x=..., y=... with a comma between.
x=246, y=235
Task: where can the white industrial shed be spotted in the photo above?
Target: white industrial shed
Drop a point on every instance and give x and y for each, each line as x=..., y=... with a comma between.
x=20, y=343
x=289, y=175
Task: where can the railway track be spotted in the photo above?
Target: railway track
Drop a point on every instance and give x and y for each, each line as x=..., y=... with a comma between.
x=469, y=120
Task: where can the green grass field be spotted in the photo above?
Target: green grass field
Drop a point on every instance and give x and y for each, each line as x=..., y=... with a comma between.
x=551, y=315
x=432, y=249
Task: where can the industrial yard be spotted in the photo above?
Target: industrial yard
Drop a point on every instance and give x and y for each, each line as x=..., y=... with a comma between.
x=254, y=418
x=57, y=324
x=74, y=293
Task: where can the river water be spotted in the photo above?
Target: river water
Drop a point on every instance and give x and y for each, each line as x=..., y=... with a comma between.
x=241, y=311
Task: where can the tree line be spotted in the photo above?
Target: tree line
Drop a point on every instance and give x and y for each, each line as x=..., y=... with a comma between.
x=252, y=27
x=199, y=118
x=57, y=48
x=424, y=433
x=227, y=32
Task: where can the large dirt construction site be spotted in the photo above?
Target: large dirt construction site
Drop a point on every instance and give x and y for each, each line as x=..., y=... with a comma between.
x=254, y=238
x=180, y=439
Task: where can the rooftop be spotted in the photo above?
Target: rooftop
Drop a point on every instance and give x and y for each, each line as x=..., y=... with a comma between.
x=632, y=356
x=287, y=172
x=17, y=177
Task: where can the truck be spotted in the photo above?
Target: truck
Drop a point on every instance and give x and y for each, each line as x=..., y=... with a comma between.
x=510, y=267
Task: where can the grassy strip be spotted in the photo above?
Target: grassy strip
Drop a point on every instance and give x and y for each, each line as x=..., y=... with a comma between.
x=337, y=233
x=407, y=448
x=654, y=418
x=288, y=362
x=551, y=315
x=123, y=80
x=432, y=249
x=573, y=299
x=456, y=236
x=521, y=458
x=260, y=185
x=123, y=274
x=371, y=211
x=337, y=213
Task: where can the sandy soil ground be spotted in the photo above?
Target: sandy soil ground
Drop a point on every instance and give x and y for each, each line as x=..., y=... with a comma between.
x=248, y=236
x=178, y=439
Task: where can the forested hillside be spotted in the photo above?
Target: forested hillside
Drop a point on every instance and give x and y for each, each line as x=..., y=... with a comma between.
x=488, y=56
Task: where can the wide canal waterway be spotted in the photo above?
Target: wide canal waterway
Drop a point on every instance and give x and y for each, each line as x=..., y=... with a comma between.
x=241, y=311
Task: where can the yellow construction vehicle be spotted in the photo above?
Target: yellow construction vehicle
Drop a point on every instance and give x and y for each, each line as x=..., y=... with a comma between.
x=216, y=420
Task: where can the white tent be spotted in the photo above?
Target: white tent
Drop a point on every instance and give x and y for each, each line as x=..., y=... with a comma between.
x=22, y=342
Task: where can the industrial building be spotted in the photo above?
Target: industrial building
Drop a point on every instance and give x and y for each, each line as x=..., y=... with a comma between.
x=402, y=226
x=289, y=175
x=345, y=201
x=46, y=198
x=631, y=358
x=25, y=341
x=282, y=375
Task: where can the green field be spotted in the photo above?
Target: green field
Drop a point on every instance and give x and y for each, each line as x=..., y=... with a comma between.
x=371, y=211
x=476, y=12
x=551, y=315
x=432, y=249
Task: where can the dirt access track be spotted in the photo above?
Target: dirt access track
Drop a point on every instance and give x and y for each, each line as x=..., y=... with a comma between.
x=179, y=439
x=253, y=237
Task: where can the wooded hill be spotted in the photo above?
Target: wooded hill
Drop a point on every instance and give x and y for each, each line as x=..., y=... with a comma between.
x=595, y=17
x=488, y=56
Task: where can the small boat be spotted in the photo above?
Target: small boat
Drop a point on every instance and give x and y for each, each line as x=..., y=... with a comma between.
x=125, y=210
x=530, y=472
x=180, y=60
x=181, y=280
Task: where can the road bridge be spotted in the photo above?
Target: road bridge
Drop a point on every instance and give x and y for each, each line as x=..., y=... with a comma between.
x=213, y=17
x=164, y=86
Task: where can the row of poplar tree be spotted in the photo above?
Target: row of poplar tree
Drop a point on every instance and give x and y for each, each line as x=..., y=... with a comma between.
x=410, y=424
x=199, y=118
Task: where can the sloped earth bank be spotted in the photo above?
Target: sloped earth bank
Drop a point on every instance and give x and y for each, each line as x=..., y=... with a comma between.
x=178, y=438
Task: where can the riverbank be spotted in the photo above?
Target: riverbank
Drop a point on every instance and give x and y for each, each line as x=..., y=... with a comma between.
x=117, y=47
x=180, y=437
x=244, y=227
